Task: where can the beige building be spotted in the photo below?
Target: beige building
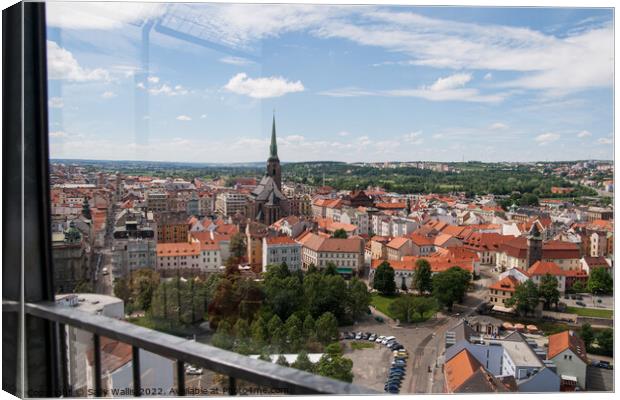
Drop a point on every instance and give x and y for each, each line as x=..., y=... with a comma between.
x=345, y=254
x=229, y=203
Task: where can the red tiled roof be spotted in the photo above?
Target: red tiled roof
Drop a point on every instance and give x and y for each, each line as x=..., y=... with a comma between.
x=397, y=242
x=275, y=240
x=566, y=340
x=508, y=284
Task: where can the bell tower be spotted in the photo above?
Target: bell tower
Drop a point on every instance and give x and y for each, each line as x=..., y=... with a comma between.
x=534, y=245
x=273, y=162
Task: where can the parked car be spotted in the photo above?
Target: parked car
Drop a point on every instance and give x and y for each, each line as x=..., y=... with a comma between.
x=602, y=364
x=580, y=303
x=388, y=339
x=579, y=297
x=372, y=337
x=358, y=335
x=380, y=339
x=379, y=320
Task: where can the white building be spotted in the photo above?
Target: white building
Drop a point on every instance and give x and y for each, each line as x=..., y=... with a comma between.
x=281, y=249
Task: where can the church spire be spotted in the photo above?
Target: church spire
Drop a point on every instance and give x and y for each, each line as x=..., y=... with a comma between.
x=273, y=148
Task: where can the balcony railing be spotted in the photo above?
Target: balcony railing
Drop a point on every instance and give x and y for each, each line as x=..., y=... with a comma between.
x=233, y=365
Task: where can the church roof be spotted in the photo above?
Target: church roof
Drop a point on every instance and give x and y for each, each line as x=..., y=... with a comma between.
x=267, y=190
x=273, y=147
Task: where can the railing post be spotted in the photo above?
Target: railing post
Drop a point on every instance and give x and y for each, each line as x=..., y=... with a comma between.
x=180, y=378
x=64, y=368
x=135, y=362
x=97, y=358
x=232, y=386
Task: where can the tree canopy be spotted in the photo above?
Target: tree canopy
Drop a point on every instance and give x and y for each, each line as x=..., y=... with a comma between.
x=450, y=286
x=383, y=280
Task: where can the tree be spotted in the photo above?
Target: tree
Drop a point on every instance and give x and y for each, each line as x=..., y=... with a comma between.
x=303, y=362
x=237, y=245
x=309, y=328
x=259, y=332
x=548, y=290
x=330, y=269
x=84, y=286
x=283, y=293
x=422, y=279
x=335, y=366
x=223, y=337
x=340, y=234
x=282, y=361
x=275, y=330
x=525, y=298
x=384, y=279
x=403, y=308
x=324, y=293
x=358, y=298
x=265, y=356
x=143, y=284
x=449, y=286
x=327, y=328
x=423, y=305
x=605, y=341
x=242, y=330
x=579, y=287
x=587, y=334
x=600, y=281
x=293, y=328
x=122, y=290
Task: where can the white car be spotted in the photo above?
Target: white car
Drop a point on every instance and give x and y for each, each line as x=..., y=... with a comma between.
x=380, y=339
x=388, y=339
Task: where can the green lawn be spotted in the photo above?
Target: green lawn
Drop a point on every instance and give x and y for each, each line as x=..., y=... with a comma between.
x=361, y=345
x=382, y=303
x=590, y=312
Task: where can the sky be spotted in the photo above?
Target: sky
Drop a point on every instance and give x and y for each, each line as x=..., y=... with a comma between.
x=201, y=82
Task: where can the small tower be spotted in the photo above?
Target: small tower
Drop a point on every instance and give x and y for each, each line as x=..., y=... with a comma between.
x=534, y=245
x=273, y=163
x=86, y=209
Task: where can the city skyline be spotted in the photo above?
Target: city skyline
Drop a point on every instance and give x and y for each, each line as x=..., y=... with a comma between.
x=350, y=83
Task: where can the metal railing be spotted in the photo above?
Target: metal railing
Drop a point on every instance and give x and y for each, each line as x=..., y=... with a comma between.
x=235, y=366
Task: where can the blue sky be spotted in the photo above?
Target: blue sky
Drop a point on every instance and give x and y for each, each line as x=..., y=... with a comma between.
x=350, y=83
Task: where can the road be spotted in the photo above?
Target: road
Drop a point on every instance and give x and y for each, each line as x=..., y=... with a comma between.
x=425, y=341
x=103, y=283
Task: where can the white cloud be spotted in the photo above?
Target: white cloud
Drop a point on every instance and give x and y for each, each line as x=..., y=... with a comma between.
x=239, y=61
x=546, y=138
x=488, y=76
x=343, y=133
x=547, y=62
x=438, y=136
x=449, y=88
x=584, y=134
x=140, y=85
x=606, y=140
x=168, y=90
x=56, y=102
x=203, y=116
x=108, y=94
x=450, y=82
x=184, y=118
x=413, y=137
x=498, y=126
x=62, y=65
x=347, y=92
x=58, y=134
x=261, y=88
x=153, y=79
x=96, y=16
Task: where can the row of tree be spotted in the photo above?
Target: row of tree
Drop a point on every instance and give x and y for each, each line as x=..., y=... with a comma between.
x=331, y=364
x=447, y=287
x=273, y=335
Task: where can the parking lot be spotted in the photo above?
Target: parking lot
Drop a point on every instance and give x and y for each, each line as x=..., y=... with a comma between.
x=370, y=366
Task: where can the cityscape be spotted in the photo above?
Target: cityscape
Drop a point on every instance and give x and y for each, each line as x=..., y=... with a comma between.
x=453, y=235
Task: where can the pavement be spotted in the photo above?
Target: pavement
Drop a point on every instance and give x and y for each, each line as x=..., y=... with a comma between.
x=607, y=302
x=370, y=366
